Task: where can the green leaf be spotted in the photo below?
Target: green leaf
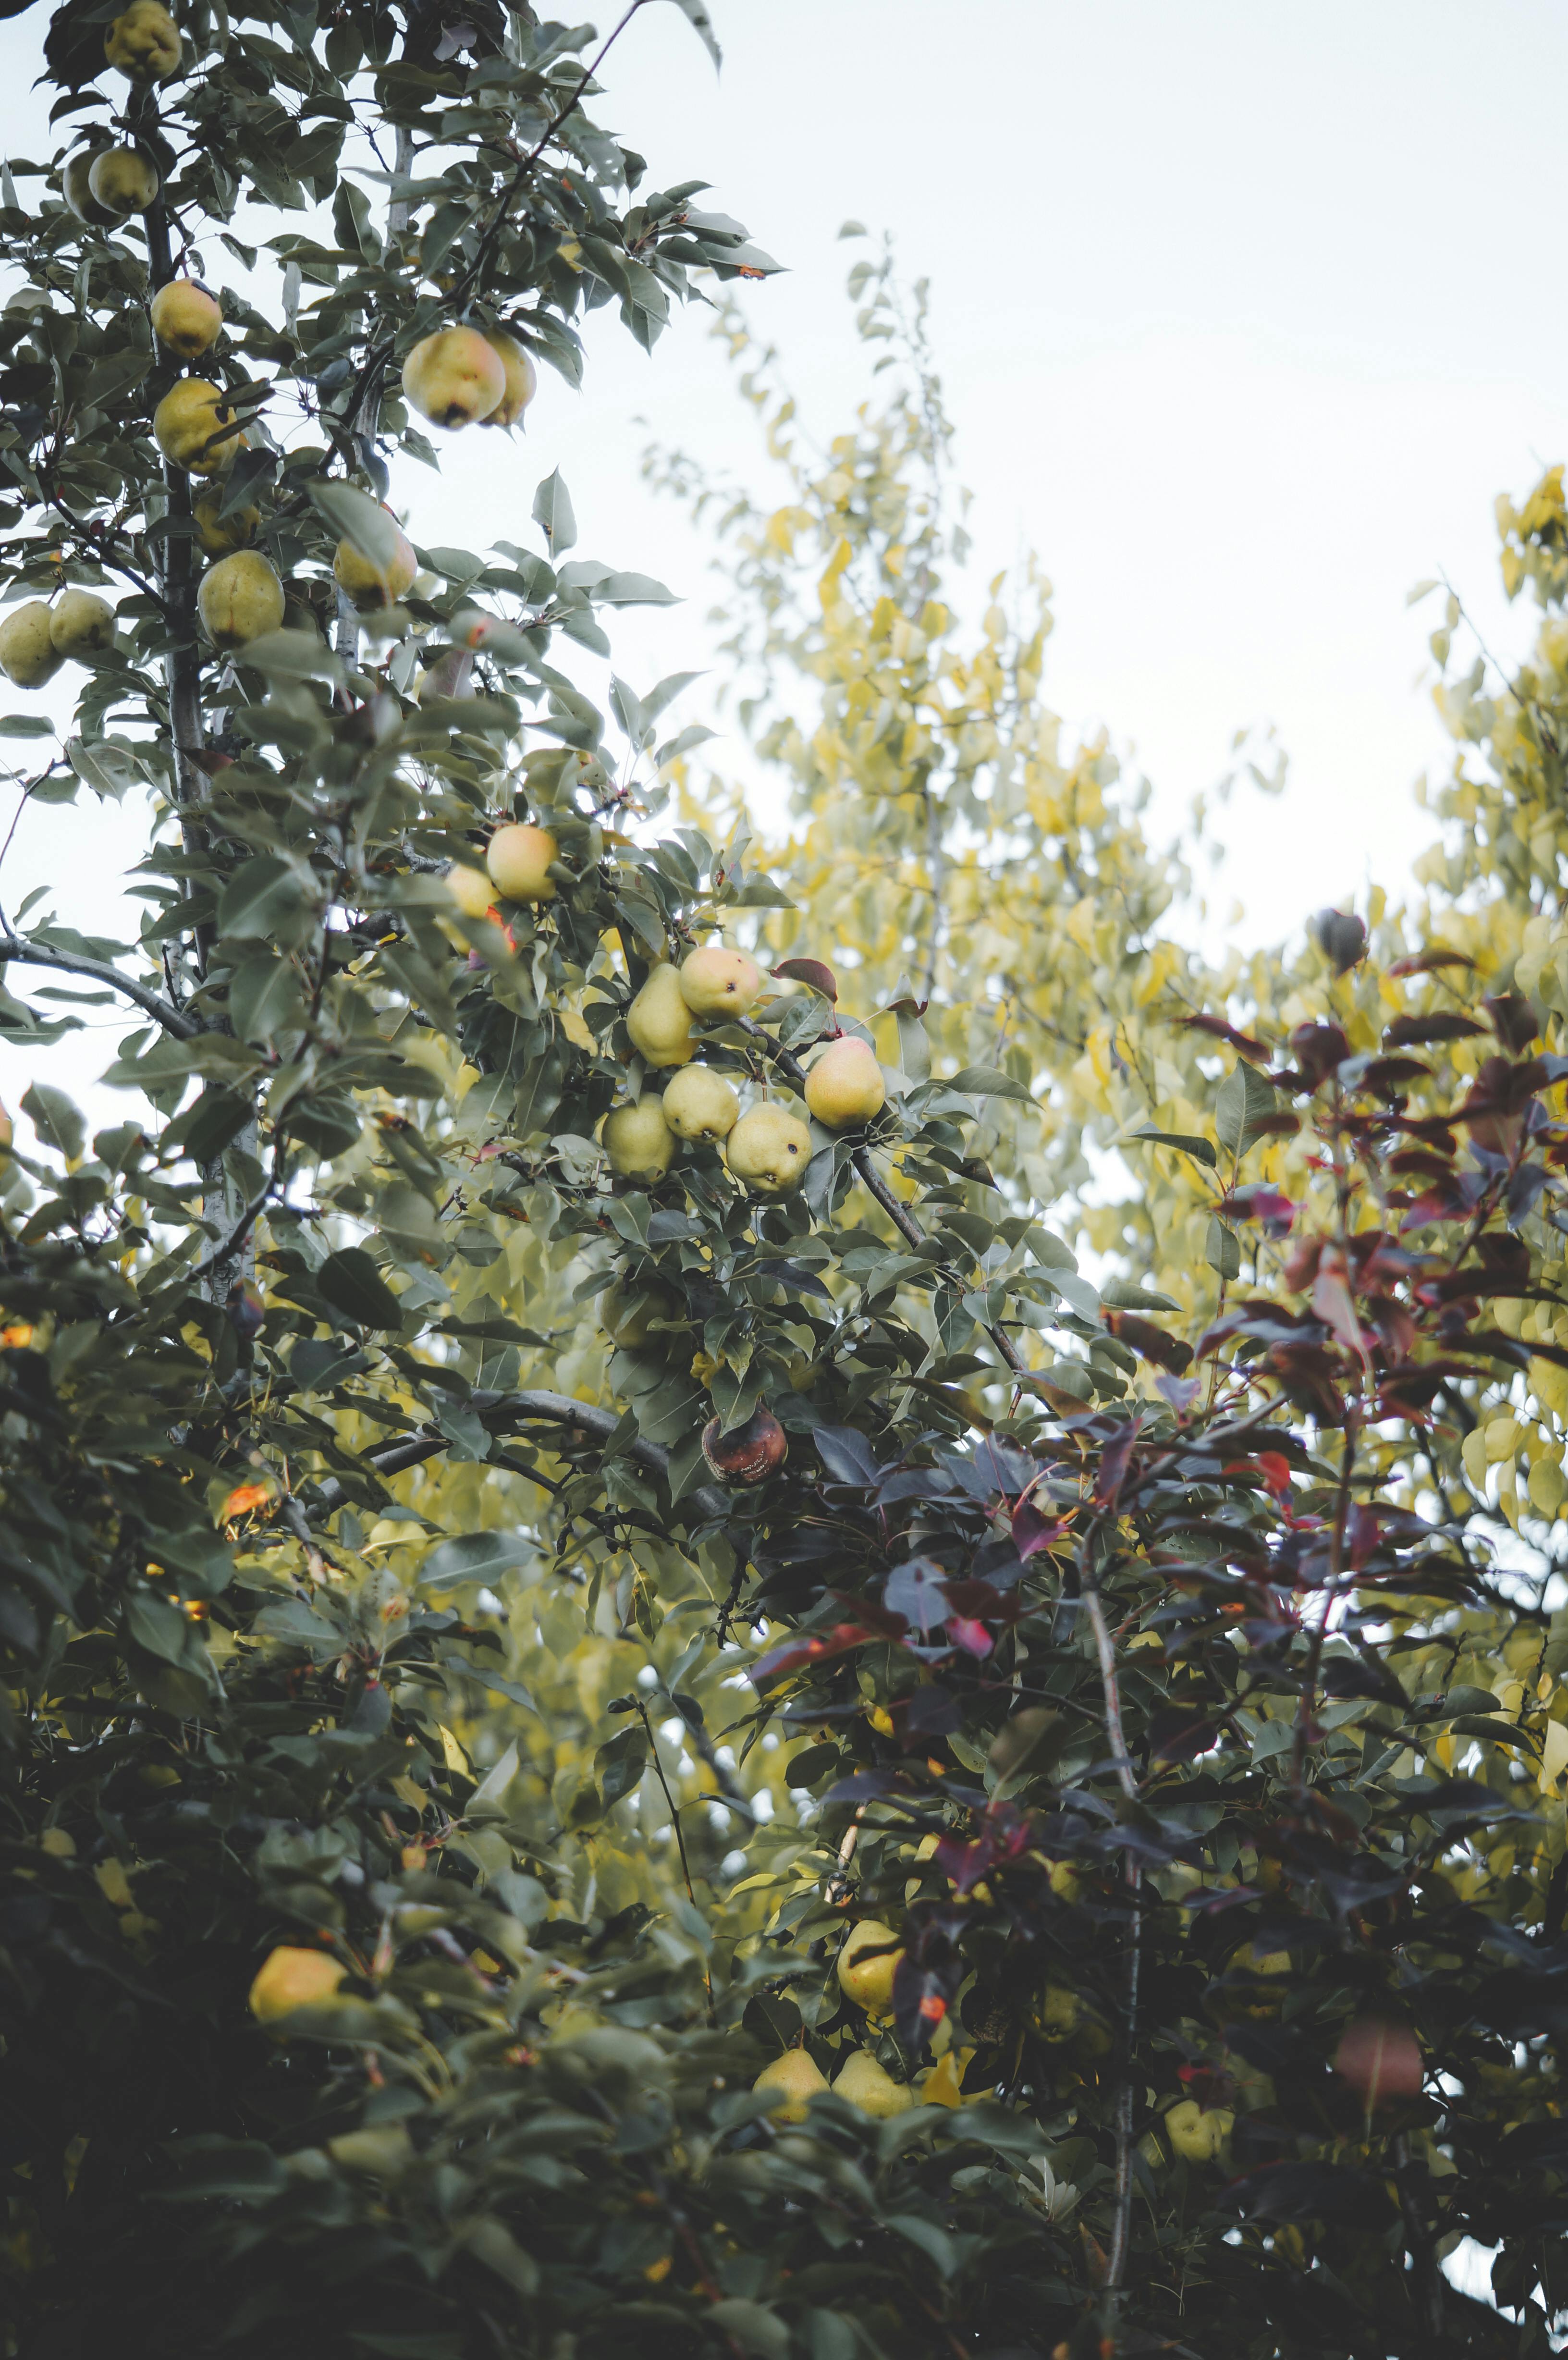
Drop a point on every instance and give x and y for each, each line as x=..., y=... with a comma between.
x=355, y=518
x=56, y=1120
x=1200, y=1150
x=1244, y=1100
x=552, y=513
x=351, y=1282
x=485, y=1557
x=696, y=15
x=260, y=897
x=26, y=725
x=987, y=1082
x=760, y=2334
x=1222, y=1250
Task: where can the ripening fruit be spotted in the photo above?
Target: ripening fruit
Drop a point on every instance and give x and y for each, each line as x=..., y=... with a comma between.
x=747, y=1454
x=76, y=187
x=292, y=1978
x=864, y=2084
x=845, y=1088
x=123, y=181
x=240, y=599
x=471, y=889
x=29, y=656
x=518, y=860
x=522, y=380
x=659, y=1021
x=186, y=319
x=454, y=377
x=1198, y=2132
x=867, y=1965
x=5, y=1132
x=639, y=1142
x=196, y=426
x=144, y=44
x=797, y=2078
x=370, y=586
x=716, y=982
x=81, y=624
x=218, y=534
x=700, y=1104
x=942, y=2086
x=768, y=1150
x=1056, y=2013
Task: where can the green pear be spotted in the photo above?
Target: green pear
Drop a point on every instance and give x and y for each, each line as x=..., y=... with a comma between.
x=868, y=1962
x=768, y=1150
x=639, y=1142
x=717, y=982
x=659, y=1021
x=864, y=2084
x=797, y=2078
x=845, y=1088
x=1198, y=2132
x=29, y=656
x=81, y=624
x=700, y=1104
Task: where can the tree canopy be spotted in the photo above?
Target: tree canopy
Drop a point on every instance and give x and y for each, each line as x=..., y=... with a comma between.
x=766, y=1598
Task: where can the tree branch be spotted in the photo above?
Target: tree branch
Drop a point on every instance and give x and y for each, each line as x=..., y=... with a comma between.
x=503, y=1414
x=152, y=1003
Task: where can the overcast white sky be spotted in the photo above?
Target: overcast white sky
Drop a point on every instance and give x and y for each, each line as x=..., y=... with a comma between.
x=1245, y=312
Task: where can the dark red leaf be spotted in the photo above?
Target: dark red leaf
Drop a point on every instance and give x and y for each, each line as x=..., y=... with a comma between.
x=1150, y=1342
x=791, y=1653
x=1113, y=1467
x=1440, y=1024
x=1255, y=1051
x=812, y=971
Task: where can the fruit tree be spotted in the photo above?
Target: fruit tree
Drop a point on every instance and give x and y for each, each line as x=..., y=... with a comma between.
x=637, y=1717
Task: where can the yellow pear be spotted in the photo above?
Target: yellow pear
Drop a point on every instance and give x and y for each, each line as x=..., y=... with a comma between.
x=144, y=44
x=639, y=1142
x=185, y=318
x=81, y=624
x=518, y=860
x=865, y=2084
x=76, y=187
x=123, y=181
x=29, y=656
x=716, y=982
x=845, y=1088
x=196, y=426
x=240, y=599
x=369, y=587
x=700, y=1104
x=1198, y=2132
x=221, y=535
x=943, y=2084
x=659, y=1021
x=768, y=1150
x=522, y=379
x=798, y=2079
x=471, y=889
x=454, y=377
x=293, y=1978
x=867, y=1965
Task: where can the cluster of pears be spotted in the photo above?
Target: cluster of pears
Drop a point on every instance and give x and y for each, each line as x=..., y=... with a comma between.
x=768, y=1148
x=106, y=186
x=35, y=638
x=867, y=1964
x=464, y=376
